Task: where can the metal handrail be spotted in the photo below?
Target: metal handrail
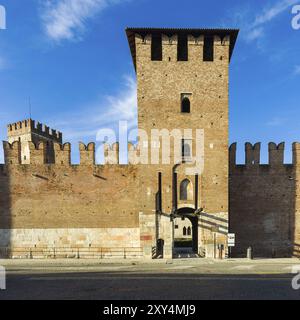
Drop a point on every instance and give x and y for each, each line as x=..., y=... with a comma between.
x=70, y=252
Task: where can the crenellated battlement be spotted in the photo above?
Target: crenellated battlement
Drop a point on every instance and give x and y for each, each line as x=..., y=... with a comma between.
x=30, y=126
x=134, y=153
x=276, y=153
x=111, y=153
x=253, y=155
x=87, y=153
x=12, y=152
x=37, y=152
x=62, y=153
x=177, y=47
x=170, y=45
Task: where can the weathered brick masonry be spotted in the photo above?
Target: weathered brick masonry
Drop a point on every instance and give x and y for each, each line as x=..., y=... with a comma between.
x=45, y=201
x=264, y=202
x=67, y=197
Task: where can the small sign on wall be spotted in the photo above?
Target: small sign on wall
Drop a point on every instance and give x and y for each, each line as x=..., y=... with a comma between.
x=231, y=239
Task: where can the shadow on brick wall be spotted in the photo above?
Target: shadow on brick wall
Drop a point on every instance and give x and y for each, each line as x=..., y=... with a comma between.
x=5, y=212
x=263, y=204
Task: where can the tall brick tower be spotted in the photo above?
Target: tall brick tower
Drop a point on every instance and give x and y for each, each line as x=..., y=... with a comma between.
x=27, y=131
x=182, y=78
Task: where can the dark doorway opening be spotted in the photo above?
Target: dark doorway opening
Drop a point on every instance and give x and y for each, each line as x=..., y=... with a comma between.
x=186, y=231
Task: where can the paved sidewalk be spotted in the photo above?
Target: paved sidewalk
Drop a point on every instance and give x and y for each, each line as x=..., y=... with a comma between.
x=195, y=266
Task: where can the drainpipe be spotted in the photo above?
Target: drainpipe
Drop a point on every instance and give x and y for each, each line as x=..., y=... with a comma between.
x=196, y=192
x=174, y=193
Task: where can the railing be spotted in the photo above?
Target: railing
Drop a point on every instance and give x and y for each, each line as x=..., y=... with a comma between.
x=69, y=252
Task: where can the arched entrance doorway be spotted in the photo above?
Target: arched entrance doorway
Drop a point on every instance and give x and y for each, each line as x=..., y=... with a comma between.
x=186, y=231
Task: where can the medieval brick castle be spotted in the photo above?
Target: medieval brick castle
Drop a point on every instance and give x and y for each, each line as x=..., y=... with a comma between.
x=49, y=206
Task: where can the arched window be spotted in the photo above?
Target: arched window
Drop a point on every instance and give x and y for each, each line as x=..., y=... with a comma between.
x=184, y=231
x=189, y=231
x=185, y=105
x=186, y=190
x=186, y=150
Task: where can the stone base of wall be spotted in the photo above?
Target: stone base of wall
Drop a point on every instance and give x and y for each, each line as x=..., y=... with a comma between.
x=283, y=249
x=70, y=243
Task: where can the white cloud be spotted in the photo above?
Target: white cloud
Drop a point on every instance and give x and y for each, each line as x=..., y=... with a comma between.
x=253, y=29
x=254, y=34
x=269, y=13
x=106, y=112
x=66, y=19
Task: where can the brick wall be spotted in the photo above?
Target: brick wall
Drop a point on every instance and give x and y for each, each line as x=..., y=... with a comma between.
x=264, y=205
x=53, y=196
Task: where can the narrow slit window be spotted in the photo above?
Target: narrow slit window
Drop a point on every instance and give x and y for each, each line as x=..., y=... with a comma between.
x=182, y=48
x=208, y=50
x=156, y=47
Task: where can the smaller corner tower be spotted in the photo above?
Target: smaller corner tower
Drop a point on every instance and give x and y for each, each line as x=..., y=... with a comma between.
x=29, y=130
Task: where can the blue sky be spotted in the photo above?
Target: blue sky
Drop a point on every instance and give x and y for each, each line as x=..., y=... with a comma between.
x=72, y=58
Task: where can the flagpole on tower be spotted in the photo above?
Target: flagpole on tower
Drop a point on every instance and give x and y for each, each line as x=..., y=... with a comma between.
x=29, y=104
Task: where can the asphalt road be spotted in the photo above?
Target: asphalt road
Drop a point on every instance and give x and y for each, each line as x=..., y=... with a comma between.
x=103, y=286
x=192, y=279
